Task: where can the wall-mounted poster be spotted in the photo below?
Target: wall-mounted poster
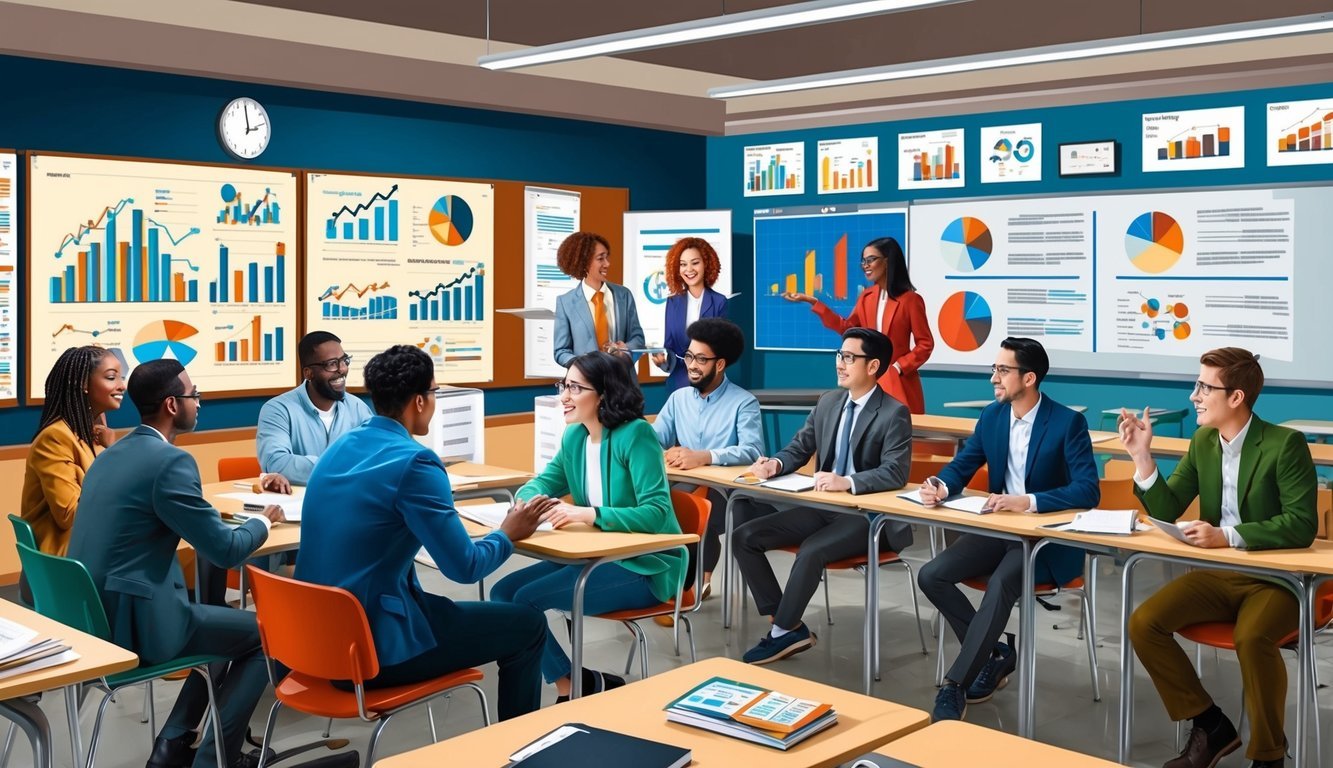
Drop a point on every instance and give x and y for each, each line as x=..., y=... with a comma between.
x=849, y=165
x=1300, y=132
x=931, y=159
x=9, y=343
x=1194, y=140
x=774, y=169
x=1011, y=153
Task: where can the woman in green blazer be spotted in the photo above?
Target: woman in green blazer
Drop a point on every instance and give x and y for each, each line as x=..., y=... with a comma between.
x=610, y=464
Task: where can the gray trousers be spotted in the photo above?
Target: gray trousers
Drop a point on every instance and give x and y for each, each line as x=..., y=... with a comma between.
x=973, y=556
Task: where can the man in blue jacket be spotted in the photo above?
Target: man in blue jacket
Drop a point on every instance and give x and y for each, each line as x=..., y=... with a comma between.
x=1040, y=460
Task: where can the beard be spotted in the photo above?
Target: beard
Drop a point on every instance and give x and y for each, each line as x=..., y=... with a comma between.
x=327, y=391
x=704, y=382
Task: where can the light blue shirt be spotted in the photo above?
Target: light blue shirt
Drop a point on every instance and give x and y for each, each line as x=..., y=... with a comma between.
x=291, y=437
x=726, y=423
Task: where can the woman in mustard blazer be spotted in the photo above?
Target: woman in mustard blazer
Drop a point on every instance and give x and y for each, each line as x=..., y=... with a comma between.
x=611, y=464
x=82, y=386
x=903, y=316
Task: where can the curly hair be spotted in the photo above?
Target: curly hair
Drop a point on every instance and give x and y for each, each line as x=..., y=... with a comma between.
x=67, y=391
x=712, y=265
x=397, y=375
x=724, y=337
x=613, y=378
x=575, y=253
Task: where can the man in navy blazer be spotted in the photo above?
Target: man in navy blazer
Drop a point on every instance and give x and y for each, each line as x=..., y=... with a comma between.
x=140, y=498
x=1040, y=460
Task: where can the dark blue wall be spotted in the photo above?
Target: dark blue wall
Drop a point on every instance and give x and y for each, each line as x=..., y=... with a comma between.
x=63, y=107
x=1118, y=120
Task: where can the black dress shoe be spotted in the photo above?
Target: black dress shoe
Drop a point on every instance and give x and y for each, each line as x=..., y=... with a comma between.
x=1278, y=763
x=172, y=753
x=1205, y=749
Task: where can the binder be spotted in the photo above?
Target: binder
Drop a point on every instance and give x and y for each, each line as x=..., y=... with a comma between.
x=578, y=744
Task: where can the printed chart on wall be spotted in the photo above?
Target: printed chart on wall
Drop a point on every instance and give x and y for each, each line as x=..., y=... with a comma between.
x=549, y=216
x=8, y=293
x=774, y=169
x=1011, y=153
x=649, y=235
x=1194, y=140
x=931, y=159
x=403, y=260
x=155, y=260
x=814, y=250
x=1300, y=132
x=849, y=165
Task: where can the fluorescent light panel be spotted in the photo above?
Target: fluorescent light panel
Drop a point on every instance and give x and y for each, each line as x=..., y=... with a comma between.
x=1296, y=25
x=731, y=25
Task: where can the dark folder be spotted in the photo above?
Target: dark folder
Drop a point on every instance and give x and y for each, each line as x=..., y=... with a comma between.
x=585, y=745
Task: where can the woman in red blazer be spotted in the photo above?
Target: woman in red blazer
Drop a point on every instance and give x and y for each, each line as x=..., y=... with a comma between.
x=891, y=306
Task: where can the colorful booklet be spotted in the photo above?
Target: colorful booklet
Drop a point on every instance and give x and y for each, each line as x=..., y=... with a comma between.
x=751, y=713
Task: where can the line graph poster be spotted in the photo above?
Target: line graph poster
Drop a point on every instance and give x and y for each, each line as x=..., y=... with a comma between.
x=158, y=260
x=1195, y=140
x=8, y=293
x=815, y=250
x=403, y=260
x=1300, y=132
x=549, y=216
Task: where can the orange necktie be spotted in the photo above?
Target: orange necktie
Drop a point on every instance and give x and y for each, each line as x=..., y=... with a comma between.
x=599, y=324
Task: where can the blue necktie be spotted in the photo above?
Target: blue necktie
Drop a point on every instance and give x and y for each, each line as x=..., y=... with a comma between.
x=844, y=452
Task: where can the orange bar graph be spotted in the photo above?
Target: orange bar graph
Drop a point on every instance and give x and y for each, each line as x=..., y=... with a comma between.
x=1223, y=133
x=824, y=174
x=870, y=171
x=178, y=287
x=948, y=162
x=81, y=276
x=123, y=287
x=222, y=351
x=810, y=273
x=254, y=336
x=238, y=286
x=792, y=287
x=1193, y=148
x=245, y=349
x=840, y=268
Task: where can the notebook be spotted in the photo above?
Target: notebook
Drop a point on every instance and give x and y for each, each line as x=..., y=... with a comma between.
x=576, y=744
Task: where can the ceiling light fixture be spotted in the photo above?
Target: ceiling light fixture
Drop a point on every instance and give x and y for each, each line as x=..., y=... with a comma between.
x=1185, y=38
x=729, y=25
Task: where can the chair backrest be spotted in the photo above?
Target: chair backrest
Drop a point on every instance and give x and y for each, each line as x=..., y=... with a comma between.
x=1119, y=494
x=933, y=446
x=1324, y=507
x=1118, y=469
x=925, y=466
x=63, y=590
x=237, y=468
x=23, y=531
x=316, y=630
x=691, y=512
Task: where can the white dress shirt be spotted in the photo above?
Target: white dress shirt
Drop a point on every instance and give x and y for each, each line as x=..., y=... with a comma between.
x=608, y=302
x=593, y=473
x=1230, y=511
x=693, y=307
x=1020, y=437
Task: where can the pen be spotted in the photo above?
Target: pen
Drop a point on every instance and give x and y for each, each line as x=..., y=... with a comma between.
x=246, y=486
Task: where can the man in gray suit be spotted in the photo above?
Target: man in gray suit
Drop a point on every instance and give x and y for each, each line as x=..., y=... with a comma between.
x=596, y=315
x=862, y=443
x=140, y=498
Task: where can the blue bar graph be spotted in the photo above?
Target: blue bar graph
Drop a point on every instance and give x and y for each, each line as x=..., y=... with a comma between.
x=460, y=299
x=121, y=266
x=243, y=283
x=375, y=221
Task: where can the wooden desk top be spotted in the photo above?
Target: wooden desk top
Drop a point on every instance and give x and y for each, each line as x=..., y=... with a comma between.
x=944, y=426
x=1018, y=523
x=584, y=542
x=96, y=657
x=501, y=477
x=953, y=743
x=637, y=710
x=1315, y=559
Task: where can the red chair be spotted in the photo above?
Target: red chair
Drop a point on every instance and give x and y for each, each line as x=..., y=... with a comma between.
x=692, y=513
x=321, y=634
x=238, y=468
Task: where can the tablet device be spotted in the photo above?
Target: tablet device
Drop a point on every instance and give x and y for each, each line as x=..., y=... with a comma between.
x=1172, y=530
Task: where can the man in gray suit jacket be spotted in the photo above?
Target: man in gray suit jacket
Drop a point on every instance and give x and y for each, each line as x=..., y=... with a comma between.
x=861, y=440
x=140, y=498
x=586, y=256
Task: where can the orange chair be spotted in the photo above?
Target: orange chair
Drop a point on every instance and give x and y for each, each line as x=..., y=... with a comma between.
x=692, y=515
x=238, y=468
x=321, y=634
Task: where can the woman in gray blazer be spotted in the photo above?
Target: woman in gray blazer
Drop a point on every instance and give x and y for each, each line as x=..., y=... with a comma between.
x=596, y=315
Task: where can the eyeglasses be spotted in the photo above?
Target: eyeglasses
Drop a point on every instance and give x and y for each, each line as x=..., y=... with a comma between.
x=690, y=357
x=572, y=388
x=1207, y=389
x=436, y=392
x=333, y=364
x=868, y=260
x=196, y=395
x=1004, y=370
x=847, y=358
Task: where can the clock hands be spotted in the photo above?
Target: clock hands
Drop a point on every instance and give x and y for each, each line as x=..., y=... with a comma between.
x=246, y=107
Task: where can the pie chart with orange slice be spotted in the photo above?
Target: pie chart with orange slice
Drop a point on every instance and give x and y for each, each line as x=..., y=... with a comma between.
x=165, y=340
x=450, y=220
x=1154, y=242
x=965, y=321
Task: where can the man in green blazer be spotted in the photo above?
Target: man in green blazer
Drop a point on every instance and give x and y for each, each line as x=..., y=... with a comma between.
x=140, y=498
x=1256, y=487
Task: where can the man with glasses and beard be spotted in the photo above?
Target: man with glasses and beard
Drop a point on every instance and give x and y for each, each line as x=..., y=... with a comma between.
x=711, y=422
x=296, y=427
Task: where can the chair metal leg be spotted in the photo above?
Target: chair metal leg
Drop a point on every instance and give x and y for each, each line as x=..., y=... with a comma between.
x=828, y=607
x=430, y=718
x=633, y=649
x=97, y=729
x=9, y=745
x=916, y=609
x=641, y=640
x=328, y=727
x=1089, y=638
x=72, y=714
x=375, y=740
x=689, y=633
x=481, y=699
x=939, y=656
x=217, y=714
x=147, y=715
x=268, y=732
x=481, y=590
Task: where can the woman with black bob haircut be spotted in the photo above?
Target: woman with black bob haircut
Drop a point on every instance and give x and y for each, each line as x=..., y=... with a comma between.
x=611, y=465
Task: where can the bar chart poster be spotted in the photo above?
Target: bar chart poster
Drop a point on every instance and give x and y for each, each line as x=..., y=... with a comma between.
x=774, y=169
x=1011, y=153
x=155, y=260
x=549, y=216
x=403, y=260
x=848, y=165
x=818, y=253
x=931, y=159
x=8, y=294
x=1018, y=267
x=1195, y=140
x=1300, y=132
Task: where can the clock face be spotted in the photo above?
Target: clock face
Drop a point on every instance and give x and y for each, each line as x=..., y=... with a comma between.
x=244, y=129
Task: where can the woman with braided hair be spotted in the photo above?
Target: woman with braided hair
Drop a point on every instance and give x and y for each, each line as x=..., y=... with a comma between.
x=82, y=386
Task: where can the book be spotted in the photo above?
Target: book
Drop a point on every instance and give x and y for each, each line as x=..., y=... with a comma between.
x=579, y=744
x=23, y=650
x=1119, y=522
x=751, y=713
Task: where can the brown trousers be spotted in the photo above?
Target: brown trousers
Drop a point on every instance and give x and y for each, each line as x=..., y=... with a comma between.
x=1264, y=614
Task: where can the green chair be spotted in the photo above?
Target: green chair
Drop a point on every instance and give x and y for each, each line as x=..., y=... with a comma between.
x=63, y=590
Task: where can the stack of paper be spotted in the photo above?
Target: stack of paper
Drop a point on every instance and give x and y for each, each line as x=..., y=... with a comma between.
x=1114, y=521
x=255, y=502
x=22, y=651
x=750, y=713
x=974, y=504
x=491, y=515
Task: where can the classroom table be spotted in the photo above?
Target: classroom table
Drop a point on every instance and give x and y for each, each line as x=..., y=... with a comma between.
x=637, y=710
x=977, y=405
x=97, y=658
x=1319, y=430
x=779, y=400
x=954, y=743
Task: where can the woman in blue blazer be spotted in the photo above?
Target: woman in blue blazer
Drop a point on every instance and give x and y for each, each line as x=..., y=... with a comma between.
x=692, y=266
x=586, y=257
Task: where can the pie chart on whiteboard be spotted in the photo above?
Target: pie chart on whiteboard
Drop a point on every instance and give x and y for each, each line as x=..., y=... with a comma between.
x=965, y=321
x=164, y=340
x=450, y=220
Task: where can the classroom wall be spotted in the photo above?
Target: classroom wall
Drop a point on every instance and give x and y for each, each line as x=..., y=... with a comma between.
x=1116, y=120
x=63, y=107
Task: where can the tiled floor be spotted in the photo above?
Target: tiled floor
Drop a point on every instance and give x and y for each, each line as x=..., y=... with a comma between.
x=1066, y=714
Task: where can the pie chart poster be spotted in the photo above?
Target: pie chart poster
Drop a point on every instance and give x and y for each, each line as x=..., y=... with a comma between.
x=818, y=254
